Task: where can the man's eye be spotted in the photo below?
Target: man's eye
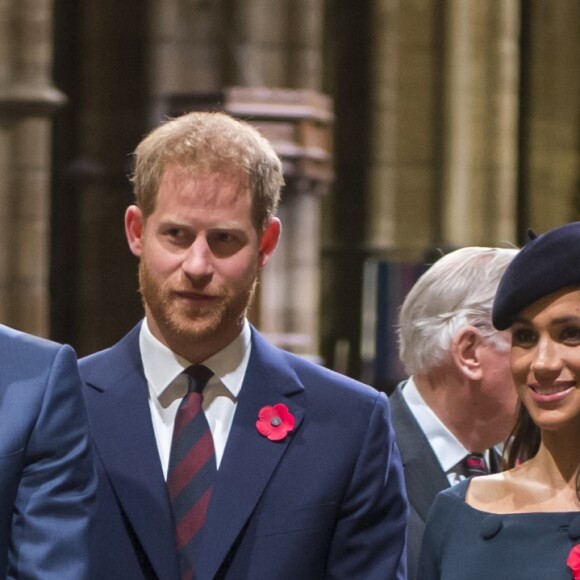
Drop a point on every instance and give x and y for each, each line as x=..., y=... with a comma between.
x=225, y=244
x=224, y=238
x=175, y=233
x=177, y=237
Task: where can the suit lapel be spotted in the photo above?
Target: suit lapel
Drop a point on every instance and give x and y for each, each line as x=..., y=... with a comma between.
x=125, y=441
x=249, y=458
x=423, y=473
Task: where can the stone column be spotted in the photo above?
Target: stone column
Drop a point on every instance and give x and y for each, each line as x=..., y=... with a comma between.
x=27, y=101
x=282, y=40
x=256, y=40
x=480, y=122
x=186, y=49
x=109, y=125
x=551, y=125
x=290, y=284
x=405, y=104
x=305, y=29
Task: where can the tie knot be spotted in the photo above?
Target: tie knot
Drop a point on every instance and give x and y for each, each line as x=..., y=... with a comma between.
x=474, y=464
x=198, y=376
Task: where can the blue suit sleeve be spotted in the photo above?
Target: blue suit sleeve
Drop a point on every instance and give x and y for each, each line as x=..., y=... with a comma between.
x=369, y=541
x=55, y=501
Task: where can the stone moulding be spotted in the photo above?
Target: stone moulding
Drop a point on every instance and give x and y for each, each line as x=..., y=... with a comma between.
x=25, y=100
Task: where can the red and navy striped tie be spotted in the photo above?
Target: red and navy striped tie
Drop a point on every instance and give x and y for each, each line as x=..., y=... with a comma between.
x=473, y=465
x=192, y=468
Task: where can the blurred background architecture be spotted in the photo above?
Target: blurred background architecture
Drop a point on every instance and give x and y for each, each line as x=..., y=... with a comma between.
x=404, y=125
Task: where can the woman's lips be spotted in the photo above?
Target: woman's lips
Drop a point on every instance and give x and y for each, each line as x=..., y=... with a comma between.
x=552, y=393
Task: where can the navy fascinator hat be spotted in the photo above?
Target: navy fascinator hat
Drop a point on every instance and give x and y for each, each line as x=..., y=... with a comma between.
x=546, y=264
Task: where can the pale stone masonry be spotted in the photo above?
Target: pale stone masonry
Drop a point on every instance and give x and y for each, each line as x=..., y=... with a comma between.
x=27, y=101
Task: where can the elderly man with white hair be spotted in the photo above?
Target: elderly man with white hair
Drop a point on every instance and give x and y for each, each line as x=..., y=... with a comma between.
x=459, y=401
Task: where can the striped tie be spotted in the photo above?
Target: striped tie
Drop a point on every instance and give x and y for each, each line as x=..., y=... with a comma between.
x=192, y=468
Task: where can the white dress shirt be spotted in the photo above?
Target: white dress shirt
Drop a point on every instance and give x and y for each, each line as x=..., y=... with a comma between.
x=448, y=450
x=167, y=386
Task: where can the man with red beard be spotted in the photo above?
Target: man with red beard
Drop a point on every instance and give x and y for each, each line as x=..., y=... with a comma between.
x=221, y=456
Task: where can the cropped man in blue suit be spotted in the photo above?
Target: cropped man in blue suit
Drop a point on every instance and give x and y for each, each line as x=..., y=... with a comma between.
x=47, y=476
x=309, y=481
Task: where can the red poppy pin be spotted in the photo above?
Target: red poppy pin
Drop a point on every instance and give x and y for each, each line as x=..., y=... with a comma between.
x=275, y=422
x=573, y=561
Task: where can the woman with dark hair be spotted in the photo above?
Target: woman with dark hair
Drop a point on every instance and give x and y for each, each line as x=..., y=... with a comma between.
x=524, y=523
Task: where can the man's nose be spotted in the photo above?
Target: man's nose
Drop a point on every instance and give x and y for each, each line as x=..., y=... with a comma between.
x=198, y=260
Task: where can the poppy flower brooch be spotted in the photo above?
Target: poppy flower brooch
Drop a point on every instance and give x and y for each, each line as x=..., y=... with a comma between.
x=275, y=422
x=573, y=561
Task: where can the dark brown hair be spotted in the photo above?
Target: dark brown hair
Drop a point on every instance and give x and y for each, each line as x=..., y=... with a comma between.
x=524, y=442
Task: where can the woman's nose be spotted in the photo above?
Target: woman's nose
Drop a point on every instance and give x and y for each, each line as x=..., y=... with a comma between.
x=547, y=358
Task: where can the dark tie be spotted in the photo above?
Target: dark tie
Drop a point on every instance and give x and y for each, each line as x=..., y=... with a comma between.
x=192, y=468
x=473, y=464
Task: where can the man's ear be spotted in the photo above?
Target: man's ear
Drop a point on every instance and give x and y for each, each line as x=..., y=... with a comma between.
x=269, y=241
x=134, y=229
x=465, y=350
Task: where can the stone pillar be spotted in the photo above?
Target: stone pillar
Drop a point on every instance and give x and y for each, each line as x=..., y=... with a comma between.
x=290, y=300
x=27, y=101
x=186, y=46
x=300, y=129
x=481, y=76
x=305, y=27
x=551, y=124
x=405, y=104
x=344, y=211
x=110, y=123
x=256, y=39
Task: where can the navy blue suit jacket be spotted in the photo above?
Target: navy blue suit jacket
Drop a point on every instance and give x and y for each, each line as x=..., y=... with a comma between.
x=326, y=502
x=424, y=475
x=47, y=476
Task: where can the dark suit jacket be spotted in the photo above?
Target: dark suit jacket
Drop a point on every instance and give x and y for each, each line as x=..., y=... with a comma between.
x=47, y=477
x=424, y=476
x=326, y=502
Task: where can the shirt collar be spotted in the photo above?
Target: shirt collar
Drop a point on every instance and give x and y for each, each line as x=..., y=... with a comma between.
x=445, y=445
x=162, y=366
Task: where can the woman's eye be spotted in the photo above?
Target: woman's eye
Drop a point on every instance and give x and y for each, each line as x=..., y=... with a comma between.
x=523, y=337
x=571, y=333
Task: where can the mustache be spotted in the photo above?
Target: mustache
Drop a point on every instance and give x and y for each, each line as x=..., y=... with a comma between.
x=197, y=288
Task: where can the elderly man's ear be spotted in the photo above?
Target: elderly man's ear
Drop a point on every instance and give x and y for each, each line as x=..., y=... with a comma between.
x=466, y=352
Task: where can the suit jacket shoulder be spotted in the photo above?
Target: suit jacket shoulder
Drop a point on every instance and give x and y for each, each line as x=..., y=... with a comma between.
x=130, y=541
x=22, y=353
x=44, y=446
x=424, y=477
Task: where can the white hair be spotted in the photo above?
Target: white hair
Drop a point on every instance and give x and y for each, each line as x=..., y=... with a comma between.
x=456, y=291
